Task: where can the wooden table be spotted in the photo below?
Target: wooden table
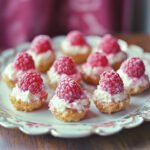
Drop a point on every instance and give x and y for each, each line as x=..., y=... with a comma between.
x=137, y=138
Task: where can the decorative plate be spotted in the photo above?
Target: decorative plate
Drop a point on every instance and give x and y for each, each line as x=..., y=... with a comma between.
x=42, y=122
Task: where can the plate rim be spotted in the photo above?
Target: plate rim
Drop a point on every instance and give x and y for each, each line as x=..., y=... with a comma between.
x=80, y=130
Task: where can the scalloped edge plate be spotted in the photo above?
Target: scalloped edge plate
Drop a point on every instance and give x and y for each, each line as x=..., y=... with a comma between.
x=73, y=130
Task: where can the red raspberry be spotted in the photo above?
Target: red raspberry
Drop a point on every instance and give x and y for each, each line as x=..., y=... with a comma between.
x=76, y=38
x=97, y=59
x=68, y=89
x=41, y=44
x=65, y=65
x=24, y=62
x=134, y=67
x=109, y=45
x=32, y=81
x=111, y=82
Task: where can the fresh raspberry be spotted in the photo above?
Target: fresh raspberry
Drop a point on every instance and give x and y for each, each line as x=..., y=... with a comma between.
x=24, y=62
x=111, y=82
x=134, y=67
x=109, y=45
x=32, y=81
x=97, y=59
x=68, y=89
x=41, y=44
x=65, y=65
x=76, y=38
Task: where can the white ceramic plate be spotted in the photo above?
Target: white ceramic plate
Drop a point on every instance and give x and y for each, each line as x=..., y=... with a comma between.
x=42, y=122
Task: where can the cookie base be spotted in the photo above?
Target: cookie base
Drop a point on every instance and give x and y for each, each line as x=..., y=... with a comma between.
x=25, y=106
x=112, y=106
x=44, y=66
x=10, y=83
x=69, y=115
x=78, y=58
x=137, y=90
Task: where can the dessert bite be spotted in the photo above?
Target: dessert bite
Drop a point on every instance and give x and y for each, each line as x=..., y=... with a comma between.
x=62, y=65
x=69, y=102
x=132, y=72
x=110, y=95
x=76, y=46
x=29, y=93
x=96, y=64
x=14, y=70
x=110, y=47
x=42, y=52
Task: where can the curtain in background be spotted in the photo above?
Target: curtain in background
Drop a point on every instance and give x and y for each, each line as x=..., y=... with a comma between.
x=21, y=20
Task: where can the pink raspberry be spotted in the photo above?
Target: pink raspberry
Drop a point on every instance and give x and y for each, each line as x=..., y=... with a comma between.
x=111, y=82
x=41, y=44
x=76, y=38
x=32, y=81
x=68, y=89
x=97, y=59
x=134, y=67
x=65, y=65
x=109, y=45
x=24, y=62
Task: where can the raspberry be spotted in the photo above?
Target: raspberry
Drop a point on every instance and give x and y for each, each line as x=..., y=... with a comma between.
x=24, y=62
x=65, y=65
x=76, y=38
x=97, y=59
x=41, y=44
x=111, y=82
x=109, y=45
x=32, y=81
x=68, y=89
x=134, y=67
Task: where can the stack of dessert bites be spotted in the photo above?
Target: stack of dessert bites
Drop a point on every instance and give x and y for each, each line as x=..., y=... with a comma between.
x=114, y=76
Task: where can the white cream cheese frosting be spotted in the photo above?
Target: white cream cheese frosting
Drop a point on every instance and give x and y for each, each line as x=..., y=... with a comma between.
x=133, y=82
x=94, y=71
x=25, y=96
x=74, y=49
x=11, y=72
x=61, y=105
x=55, y=77
x=118, y=57
x=104, y=96
x=38, y=58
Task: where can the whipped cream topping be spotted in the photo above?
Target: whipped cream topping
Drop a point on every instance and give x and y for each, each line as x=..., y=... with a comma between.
x=74, y=49
x=25, y=96
x=55, y=77
x=94, y=71
x=11, y=72
x=104, y=96
x=117, y=57
x=133, y=82
x=38, y=58
x=61, y=104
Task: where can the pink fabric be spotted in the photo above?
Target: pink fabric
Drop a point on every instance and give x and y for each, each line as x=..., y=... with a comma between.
x=21, y=20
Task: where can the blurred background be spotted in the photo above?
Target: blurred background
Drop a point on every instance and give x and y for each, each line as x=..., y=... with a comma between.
x=21, y=20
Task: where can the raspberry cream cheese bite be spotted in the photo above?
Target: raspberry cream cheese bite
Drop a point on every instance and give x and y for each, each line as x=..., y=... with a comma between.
x=110, y=95
x=42, y=52
x=96, y=64
x=110, y=47
x=14, y=70
x=132, y=72
x=63, y=65
x=29, y=93
x=76, y=46
x=69, y=102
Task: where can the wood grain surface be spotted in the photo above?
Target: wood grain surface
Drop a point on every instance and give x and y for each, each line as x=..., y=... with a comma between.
x=131, y=139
